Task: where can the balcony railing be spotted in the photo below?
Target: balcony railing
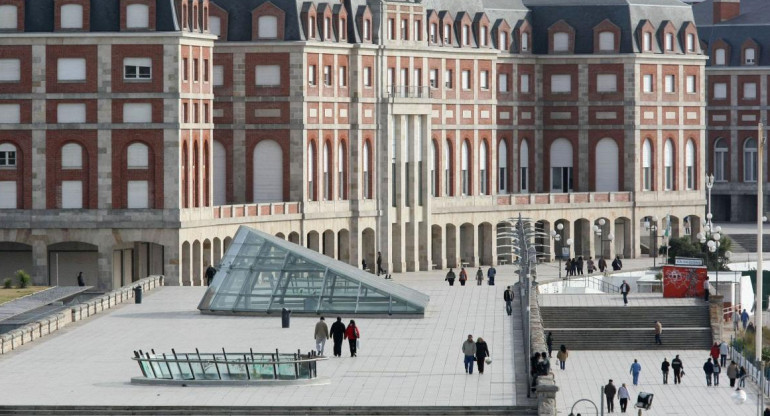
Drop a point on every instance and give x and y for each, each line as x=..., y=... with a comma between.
x=409, y=91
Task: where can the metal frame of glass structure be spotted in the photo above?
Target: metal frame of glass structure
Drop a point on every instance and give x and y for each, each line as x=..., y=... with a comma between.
x=261, y=274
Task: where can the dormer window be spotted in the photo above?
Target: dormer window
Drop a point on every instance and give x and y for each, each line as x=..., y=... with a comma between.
x=342, y=30
x=327, y=28
x=669, y=42
x=433, y=36
x=448, y=34
x=647, y=41
x=749, y=56
x=137, y=16
x=267, y=27
x=483, y=35
x=719, y=57
x=367, y=29
x=560, y=42
x=503, y=41
x=71, y=16
x=524, y=41
x=690, y=42
x=311, y=27
x=9, y=17
x=466, y=35
x=606, y=41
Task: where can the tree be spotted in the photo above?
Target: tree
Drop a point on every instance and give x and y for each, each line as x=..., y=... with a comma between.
x=688, y=247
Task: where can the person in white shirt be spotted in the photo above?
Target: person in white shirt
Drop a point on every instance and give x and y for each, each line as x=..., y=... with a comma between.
x=623, y=395
x=724, y=349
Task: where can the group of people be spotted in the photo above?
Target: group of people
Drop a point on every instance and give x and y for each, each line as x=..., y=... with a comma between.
x=574, y=266
x=717, y=361
x=742, y=318
x=475, y=351
x=491, y=273
x=337, y=333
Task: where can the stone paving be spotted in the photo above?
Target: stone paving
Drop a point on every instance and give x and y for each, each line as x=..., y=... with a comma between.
x=401, y=362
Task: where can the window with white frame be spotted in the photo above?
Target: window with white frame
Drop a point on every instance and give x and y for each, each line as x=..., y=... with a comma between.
x=692, y=85
x=750, y=160
x=448, y=80
x=327, y=173
x=7, y=155
x=196, y=70
x=417, y=30
x=483, y=180
x=432, y=33
x=648, y=83
x=668, y=165
x=340, y=171
x=524, y=41
x=9, y=17
x=311, y=173
x=268, y=27
x=404, y=29
x=524, y=83
x=464, y=167
x=669, y=42
x=138, y=195
x=483, y=35
x=524, y=167
x=327, y=28
x=647, y=165
x=138, y=16
x=502, y=40
x=466, y=35
x=689, y=163
x=71, y=113
x=606, y=41
x=749, y=55
x=71, y=69
x=720, y=91
x=447, y=168
x=215, y=25
x=268, y=75
x=647, y=41
x=219, y=75
x=10, y=113
x=447, y=34
x=433, y=169
x=561, y=84
x=367, y=76
x=690, y=41
x=502, y=82
x=72, y=194
x=560, y=42
x=391, y=78
x=328, y=75
x=670, y=83
x=719, y=57
x=72, y=156
x=606, y=83
x=367, y=29
x=749, y=90
x=137, y=68
x=343, y=76
x=720, y=160
x=10, y=70
x=391, y=29
x=417, y=77
x=8, y=196
x=466, y=79
x=433, y=78
x=561, y=165
x=137, y=113
x=311, y=75
x=502, y=168
x=71, y=16
x=343, y=29
x=484, y=80
x=367, y=173
x=311, y=27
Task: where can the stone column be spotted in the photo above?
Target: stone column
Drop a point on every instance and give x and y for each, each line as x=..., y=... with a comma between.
x=39, y=270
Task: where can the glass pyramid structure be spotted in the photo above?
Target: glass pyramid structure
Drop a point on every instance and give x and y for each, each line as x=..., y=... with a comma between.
x=262, y=274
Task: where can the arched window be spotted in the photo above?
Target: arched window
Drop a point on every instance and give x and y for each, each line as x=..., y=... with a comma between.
x=185, y=176
x=341, y=171
x=668, y=165
x=433, y=169
x=464, y=166
x=483, y=180
x=138, y=156
x=720, y=160
x=750, y=160
x=311, y=172
x=606, y=41
x=502, y=167
x=267, y=172
x=447, y=168
x=689, y=163
x=561, y=166
x=195, y=176
x=220, y=174
x=524, y=167
x=268, y=27
x=367, y=172
x=7, y=155
x=72, y=156
x=327, y=172
x=647, y=166
x=560, y=42
x=607, y=175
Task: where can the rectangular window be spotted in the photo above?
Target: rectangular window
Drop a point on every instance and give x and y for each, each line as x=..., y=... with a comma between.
x=367, y=29
x=720, y=57
x=417, y=30
x=523, y=179
x=311, y=28
x=343, y=76
x=669, y=41
x=185, y=69
x=404, y=29
x=448, y=78
x=670, y=83
x=606, y=83
x=205, y=70
x=367, y=76
x=137, y=68
x=8, y=194
x=466, y=35
x=138, y=17
x=9, y=17
x=219, y=75
x=138, y=194
x=720, y=91
x=561, y=84
x=483, y=35
x=196, y=70
x=484, y=80
x=434, y=78
x=524, y=84
x=502, y=82
x=433, y=35
x=391, y=78
x=71, y=69
x=647, y=178
x=647, y=83
x=185, y=113
x=268, y=75
x=8, y=158
x=749, y=90
x=311, y=75
x=71, y=113
x=10, y=113
x=137, y=113
x=447, y=34
x=71, y=194
x=10, y=70
x=205, y=112
x=328, y=75
x=196, y=113
x=466, y=79
x=417, y=78
x=391, y=28
x=71, y=16
x=691, y=84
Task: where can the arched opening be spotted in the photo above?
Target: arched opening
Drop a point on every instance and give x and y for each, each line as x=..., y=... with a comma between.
x=607, y=174
x=623, y=242
x=602, y=229
x=281, y=236
x=451, y=245
x=647, y=179
x=343, y=246
x=294, y=237
x=227, y=242
x=582, y=238
x=328, y=243
x=206, y=256
x=267, y=168
x=436, y=246
x=486, y=256
x=465, y=169
x=467, y=244
x=668, y=165
x=197, y=270
x=17, y=256
x=313, y=241
x=67, y=259
x=562, y=248
x=368, y=249
x=483, y=169
x=502, y=167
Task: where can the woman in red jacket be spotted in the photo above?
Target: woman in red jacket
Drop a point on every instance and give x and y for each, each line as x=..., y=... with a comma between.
x=352, y=334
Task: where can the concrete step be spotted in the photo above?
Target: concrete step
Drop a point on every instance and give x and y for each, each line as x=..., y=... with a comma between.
x=270, y=410
x=743, y=243
x=625, y=317
x=631, y=339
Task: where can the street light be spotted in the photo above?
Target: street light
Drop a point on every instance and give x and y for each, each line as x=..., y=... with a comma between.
x=652, y=227
x=709, y=184
x=598, y=231
x=712, y=238
x=557, y=237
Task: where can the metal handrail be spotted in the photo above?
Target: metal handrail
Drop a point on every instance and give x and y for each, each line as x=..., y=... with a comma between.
x=226, y=361
x=603, y=286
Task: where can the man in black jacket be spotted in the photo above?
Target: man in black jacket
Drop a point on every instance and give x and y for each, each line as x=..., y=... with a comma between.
x=508, y=298
x=337, y=332
x=676, y=365
x=609, y=392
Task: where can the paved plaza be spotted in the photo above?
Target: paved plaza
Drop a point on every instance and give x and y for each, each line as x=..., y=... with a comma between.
x=401, y=362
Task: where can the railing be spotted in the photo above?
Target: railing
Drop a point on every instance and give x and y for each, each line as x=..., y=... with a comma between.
x=227, y=366
x=255, y=210
x=601, y=285
x=594, y=282
x=409, y=91
x=749, y=363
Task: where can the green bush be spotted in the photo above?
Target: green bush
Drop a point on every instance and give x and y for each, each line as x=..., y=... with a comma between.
x=7, y=283
x=24, y=278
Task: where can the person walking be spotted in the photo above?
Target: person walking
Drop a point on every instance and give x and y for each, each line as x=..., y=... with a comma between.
x=636, y=368
x=508, y=298
x=706, y=289
x=482, y=352
x=463, y=277
x=379, y=264
x=590, y=265
x=714, y=352
x=450, y=277
x=609, y=393
x=549, y=343
x=337, y=334
x=623, y=395
x=469, y=351
x=617, y=264
x=580, y=265
x=479, y=276
x=745, y=319
x=602, y=265
x=562, y=356
x=624, y=289
x=352, y=334
x=736, y=320
x=741, y=377
x=363, y=264
x=717, y=370
x=724, y=349
x=568, y=267
x=732, y=373
x=658, y=331
x=491, y=273
x=664, y=366
x=82, y=281
x=321, y=334
x=678, y=367
x=210, y=273
x=708, y=368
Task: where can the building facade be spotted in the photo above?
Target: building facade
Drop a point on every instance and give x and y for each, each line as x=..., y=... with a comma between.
x=352, y=128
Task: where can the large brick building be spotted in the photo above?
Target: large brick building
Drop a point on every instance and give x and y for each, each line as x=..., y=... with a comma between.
x=138, y=135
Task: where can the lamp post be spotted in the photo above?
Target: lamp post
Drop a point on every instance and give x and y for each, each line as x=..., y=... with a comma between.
x=709, y=185
x=712, y=239
x=652, y=227
x=759, y=308
x=556, y=237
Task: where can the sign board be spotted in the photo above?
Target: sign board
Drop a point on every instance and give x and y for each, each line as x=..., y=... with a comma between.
x=565, y=252
x=683, y=281
x=688, y=261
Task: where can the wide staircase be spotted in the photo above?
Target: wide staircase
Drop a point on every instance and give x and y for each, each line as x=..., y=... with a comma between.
x=624, y=328
x=747, y=243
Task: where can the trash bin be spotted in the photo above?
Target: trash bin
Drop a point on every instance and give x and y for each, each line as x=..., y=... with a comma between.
x=285, y=317
x=138, y=294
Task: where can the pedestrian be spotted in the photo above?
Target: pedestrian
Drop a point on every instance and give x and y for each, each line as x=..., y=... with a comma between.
x=562, y=356
x=491, y=273
x=717, y=370
x=469, y=351
x=450, y=277
x=210, y=273
x=664, y=366
x=658, y=331
x=741, y=377
x=751, y=328
x=363, y=264
x=602, y=265
x=623, y=395
x=636, y=368
x=609, y=393
x=568, y=267
x=678, y=367
x=745, y=319
x=736, y=320
x=463, y=277
x=706, y=289
x=573, y=267
x=732, y=373
x=766, y=412
x=580, y=265
x=544, y=367
x=482, y=352
x=714, y=351
x=352, y=334
x=549, y=343
x=337, y=334
x=724, y=349
x=708, y=368
x=508, y=298
x=81, y=280
x=617, y=264
x=479, y=276
x=533, y=363
x=321, y=334
x=590, y=265
x=624, y=289
x=379, y=264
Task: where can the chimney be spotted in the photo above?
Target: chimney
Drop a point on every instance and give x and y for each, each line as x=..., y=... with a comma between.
x=726, y=10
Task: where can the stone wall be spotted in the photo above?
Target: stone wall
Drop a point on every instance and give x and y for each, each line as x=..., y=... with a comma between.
x=546, y=385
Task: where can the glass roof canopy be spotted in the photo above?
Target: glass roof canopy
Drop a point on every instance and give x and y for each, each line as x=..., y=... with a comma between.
x=261, y=274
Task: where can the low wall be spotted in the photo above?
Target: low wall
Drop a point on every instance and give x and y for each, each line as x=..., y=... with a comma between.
x=546, y=386
x=52, y=323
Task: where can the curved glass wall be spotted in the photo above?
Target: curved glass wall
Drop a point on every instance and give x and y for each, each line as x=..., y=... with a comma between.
x=263, y=274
